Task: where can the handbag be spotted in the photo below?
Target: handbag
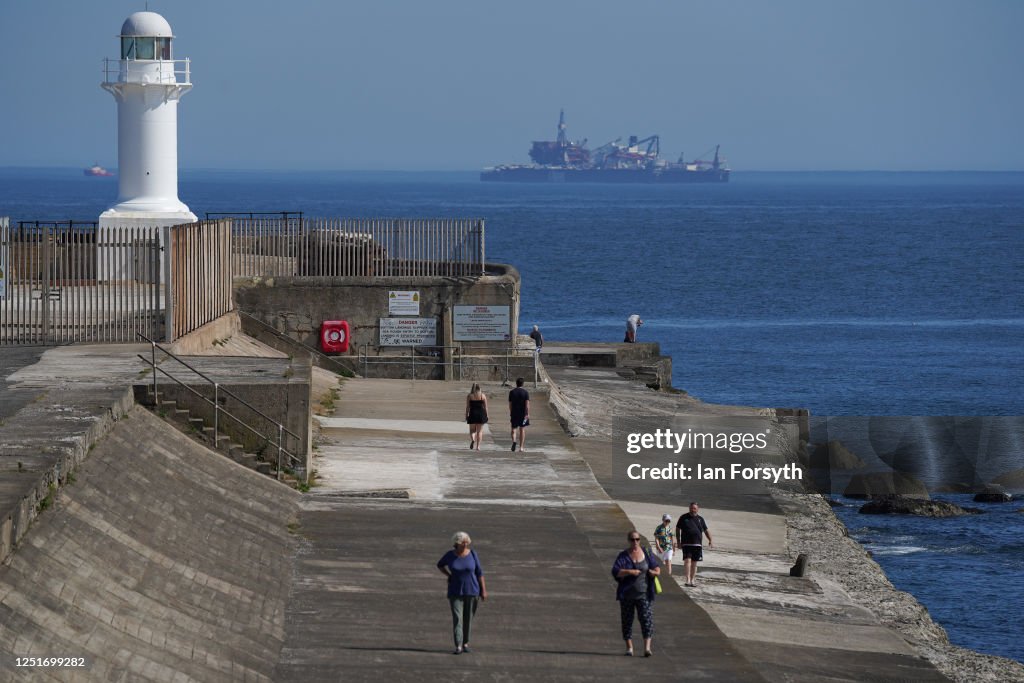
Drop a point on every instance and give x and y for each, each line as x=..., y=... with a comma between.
x=657, y=586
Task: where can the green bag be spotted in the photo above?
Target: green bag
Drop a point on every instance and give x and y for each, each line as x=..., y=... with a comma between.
x=657, y=586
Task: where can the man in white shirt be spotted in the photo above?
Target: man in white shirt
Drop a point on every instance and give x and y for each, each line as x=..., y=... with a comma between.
x=633, y=324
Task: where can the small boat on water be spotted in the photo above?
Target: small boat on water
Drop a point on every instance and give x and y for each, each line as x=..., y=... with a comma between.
x=98, y=171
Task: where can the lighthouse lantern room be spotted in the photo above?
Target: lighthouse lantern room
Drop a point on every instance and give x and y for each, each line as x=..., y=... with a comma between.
x=147, y=83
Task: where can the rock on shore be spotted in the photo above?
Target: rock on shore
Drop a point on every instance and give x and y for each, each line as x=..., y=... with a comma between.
x=993, y=493
x=902, y=505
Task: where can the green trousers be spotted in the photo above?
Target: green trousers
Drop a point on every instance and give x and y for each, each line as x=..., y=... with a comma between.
x=463, y=609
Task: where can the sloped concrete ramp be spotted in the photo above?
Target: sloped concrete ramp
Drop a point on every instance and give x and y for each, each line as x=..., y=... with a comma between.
x=162, y=561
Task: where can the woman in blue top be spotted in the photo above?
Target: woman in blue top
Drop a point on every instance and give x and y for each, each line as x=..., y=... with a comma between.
x=634, y=569
x=465, y=585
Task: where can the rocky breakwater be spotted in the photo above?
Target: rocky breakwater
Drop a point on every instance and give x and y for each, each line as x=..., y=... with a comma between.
x=904, y=505
x=587, y=399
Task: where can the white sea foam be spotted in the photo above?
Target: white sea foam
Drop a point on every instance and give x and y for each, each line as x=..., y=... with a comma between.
x=898, y=550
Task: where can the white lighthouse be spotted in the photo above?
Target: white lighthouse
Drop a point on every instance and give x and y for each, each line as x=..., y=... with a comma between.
x=147, y=83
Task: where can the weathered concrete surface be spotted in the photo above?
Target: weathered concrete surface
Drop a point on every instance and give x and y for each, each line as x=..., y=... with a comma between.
x=162, y=561
x=363, y=600
x=13, y=359
x=58, y=406
x=368, y=603
x=785, y=626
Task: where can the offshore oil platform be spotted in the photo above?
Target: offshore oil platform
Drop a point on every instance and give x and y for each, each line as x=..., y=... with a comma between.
x=638, y=161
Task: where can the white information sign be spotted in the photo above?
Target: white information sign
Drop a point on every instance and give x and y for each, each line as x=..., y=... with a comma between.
x=408, y=332
x=404, y=303
x=482, y=323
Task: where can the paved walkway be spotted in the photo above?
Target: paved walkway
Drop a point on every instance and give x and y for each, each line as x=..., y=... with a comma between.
x=369, y=603
x=547, y=533
x=364, y=601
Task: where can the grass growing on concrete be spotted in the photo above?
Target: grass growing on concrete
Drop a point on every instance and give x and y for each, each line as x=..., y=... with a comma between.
x=305, y=486
x=47, y=502
x=328, y=402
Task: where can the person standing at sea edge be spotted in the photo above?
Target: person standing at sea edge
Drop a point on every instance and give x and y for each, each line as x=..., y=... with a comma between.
x=633, y=324
x=537, y=337
x=688, y=536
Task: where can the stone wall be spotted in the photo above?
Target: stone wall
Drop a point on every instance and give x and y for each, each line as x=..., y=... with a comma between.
x=161, y=561
x=296, y=307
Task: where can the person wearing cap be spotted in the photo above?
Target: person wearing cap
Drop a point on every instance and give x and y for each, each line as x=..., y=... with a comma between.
x=663, y=541
x=633, y=324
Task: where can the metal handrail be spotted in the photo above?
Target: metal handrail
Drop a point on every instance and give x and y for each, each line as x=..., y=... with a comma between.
x=281, y=429
x=509, y=352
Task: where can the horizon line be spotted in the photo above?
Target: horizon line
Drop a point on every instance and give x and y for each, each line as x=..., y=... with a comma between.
x=14, y=167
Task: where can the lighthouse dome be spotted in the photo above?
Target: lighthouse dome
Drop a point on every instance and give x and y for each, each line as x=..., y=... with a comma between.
x=148, y=24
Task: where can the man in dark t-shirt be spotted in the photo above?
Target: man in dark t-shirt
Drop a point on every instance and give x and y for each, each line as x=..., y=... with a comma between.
x=519, y=412
x=689, y=529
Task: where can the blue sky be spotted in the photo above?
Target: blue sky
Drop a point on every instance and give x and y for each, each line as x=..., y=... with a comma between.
x=450, y=85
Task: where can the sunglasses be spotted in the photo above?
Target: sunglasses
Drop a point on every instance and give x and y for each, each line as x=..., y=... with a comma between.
x=634, y=540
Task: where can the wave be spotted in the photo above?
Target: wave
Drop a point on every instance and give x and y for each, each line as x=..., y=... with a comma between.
x=898, y=550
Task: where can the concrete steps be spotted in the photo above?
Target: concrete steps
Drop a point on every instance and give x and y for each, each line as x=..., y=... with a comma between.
x=202, y=431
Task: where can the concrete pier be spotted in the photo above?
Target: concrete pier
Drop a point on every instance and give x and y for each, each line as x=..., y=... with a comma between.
x=161, y=560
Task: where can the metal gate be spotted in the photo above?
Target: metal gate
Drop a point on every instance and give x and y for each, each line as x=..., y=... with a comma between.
x=73, y=281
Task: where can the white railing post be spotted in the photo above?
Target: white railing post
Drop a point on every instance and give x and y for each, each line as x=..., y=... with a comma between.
x=216, y=412
x=280, y=447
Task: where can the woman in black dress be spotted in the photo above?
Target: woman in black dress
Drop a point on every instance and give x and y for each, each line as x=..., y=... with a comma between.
x=476, y=415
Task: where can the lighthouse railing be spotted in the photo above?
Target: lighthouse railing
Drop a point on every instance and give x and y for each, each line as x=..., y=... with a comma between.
x=147, y=71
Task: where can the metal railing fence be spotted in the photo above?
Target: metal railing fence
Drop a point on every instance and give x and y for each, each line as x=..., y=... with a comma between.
x=72, y=281
x=200, y=275
x=458, y=361
x=357, y=247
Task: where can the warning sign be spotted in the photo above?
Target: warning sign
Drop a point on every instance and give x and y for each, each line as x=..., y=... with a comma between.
x=404, y=303
x=482, y=323
x=408, y=332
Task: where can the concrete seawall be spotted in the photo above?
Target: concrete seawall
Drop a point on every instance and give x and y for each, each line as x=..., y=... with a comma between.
x=161, y=559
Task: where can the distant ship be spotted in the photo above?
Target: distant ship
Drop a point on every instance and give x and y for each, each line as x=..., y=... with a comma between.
x=563, y=161
x=97, y=170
